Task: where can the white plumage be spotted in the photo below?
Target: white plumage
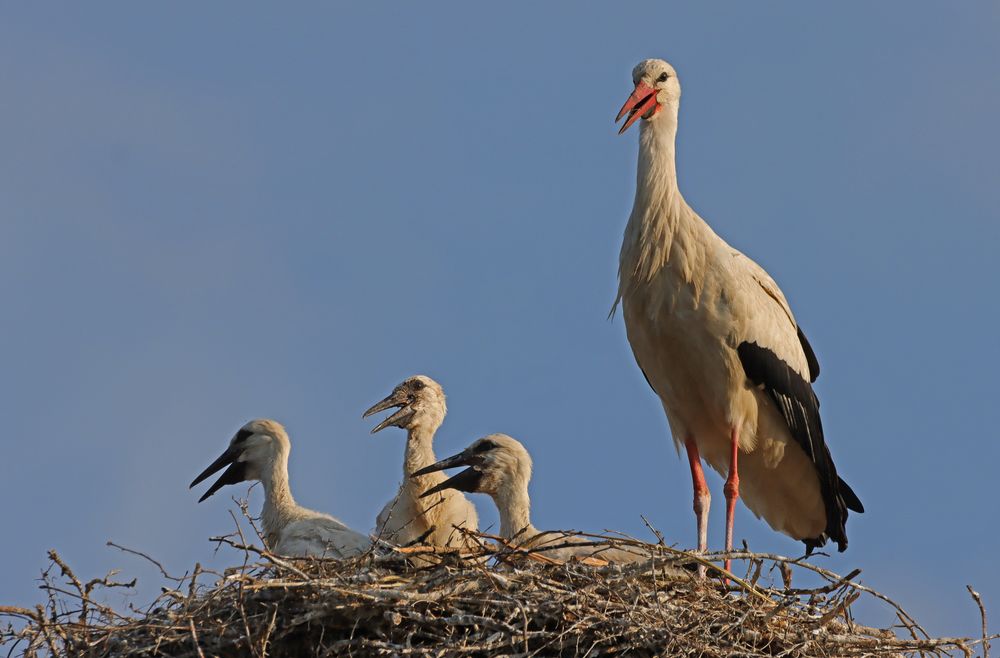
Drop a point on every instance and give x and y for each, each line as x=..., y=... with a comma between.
x=498, y=465
x=718, y=343
x=409, y=517
x=259, y=451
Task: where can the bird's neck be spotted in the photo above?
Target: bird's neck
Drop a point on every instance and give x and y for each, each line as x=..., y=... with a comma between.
x=514, y=506
x=419, y=449
x=662, y=229
x=279, y=505
x=656, y=176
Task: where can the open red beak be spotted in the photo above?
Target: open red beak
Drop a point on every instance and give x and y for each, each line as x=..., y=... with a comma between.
x=642, y=100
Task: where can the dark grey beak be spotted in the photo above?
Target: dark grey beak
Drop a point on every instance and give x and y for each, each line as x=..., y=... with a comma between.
x=398, y=398
x=467, y=480
x=233, y=475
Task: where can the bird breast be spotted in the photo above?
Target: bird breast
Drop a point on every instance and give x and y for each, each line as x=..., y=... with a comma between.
x=681, y=332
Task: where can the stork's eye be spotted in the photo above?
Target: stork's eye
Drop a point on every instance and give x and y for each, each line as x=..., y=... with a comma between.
x=663, y=77
x=418, y=385
x=484, y=446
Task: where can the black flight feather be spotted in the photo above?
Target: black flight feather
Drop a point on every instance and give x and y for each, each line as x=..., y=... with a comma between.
x=810, y=355
x=646, y=377
x=850, y=498
x=794, y=398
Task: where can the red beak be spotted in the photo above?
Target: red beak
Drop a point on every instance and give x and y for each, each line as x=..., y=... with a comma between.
x=642, y=100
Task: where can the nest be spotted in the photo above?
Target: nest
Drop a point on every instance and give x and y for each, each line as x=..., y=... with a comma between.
x=495, y=600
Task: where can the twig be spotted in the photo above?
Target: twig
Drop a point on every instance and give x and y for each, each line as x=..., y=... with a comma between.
x=18, y=612
x=837, y=611
x=982, y=615
x=147, y=558
x=194, y=638
x=270, y=557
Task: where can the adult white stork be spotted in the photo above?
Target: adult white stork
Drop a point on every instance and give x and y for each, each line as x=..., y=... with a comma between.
x=259, y=451
x=409, y=517
x=498, y=465
x=717, y=342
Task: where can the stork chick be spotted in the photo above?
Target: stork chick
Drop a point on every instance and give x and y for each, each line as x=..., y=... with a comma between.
x=259, y=451
x=410, y=517
x=498, y=465
x=717, y=342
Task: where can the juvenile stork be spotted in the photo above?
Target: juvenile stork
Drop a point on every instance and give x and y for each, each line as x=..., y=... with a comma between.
x=259, y=451
x=717, y=342
x=410, y=517
x=498, y=465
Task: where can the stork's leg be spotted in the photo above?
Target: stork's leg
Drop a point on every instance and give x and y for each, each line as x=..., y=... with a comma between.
x=732, y=491
x=702, y=497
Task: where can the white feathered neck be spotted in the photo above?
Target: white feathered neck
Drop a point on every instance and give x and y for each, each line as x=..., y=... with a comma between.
x=662, y=229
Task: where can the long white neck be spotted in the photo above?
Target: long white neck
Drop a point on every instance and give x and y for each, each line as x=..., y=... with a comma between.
x=420, y=453
x=279, y=505
x=514, y=506
x=662, y=227
x=419, y=449
x=656, y=175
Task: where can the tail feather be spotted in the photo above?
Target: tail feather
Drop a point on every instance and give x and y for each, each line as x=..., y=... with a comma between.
x=850, y=498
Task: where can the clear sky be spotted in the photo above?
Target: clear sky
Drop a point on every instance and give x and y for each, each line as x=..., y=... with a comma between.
x=214, y=212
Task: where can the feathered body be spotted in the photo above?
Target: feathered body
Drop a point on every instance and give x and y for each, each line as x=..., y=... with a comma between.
x=700, y=316
x=408, y=518
x=500, y=467
x=259, y=451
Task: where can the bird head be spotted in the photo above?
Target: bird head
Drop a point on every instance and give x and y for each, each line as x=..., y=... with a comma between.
x=420, y=402
x=656, y=87
x=494, y=462
x=257, y=443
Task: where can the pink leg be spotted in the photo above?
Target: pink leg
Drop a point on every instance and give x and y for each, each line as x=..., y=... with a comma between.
x=702, y=497
x=732, y=491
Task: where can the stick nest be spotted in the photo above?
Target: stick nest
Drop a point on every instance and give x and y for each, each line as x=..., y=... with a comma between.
x=487, y=602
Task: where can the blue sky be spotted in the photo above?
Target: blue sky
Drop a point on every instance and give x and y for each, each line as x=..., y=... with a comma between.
x=210, y=213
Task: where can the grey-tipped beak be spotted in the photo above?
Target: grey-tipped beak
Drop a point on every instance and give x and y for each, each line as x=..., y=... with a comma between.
x=233, y=475
x=387, y=403
x=396, y=399
x=396, y=419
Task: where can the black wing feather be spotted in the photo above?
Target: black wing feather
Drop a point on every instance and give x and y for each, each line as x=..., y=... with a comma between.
x=850, y=498
x=795, y=399
x=810, y=355
x=646, y=377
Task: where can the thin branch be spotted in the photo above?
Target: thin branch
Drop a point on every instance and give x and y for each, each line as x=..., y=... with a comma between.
x=194, y=638
x=982, y=615
x=147, y=558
